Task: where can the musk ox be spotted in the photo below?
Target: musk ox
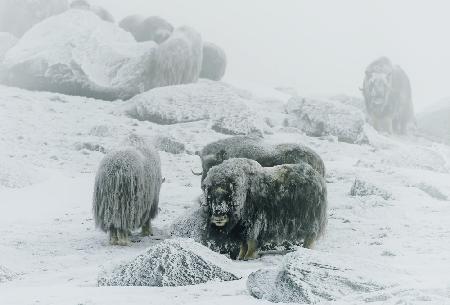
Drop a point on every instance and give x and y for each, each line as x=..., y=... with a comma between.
x=152, y=28
x=214, y=62
x=387, y=95
x=178, y=60
x=98, y=10
x=126, y=191
x=257, y=205
x=254, y=148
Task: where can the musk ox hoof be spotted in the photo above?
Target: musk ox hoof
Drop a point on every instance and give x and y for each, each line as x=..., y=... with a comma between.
x=147, y=230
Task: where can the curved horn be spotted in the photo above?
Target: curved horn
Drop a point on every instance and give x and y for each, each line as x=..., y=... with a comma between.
x=196, y=174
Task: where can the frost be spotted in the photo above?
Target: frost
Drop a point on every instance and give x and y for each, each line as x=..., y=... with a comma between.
x=319, y=117
x=364, y=188
x=177, y=262
x=434, y=122
x=217, y=102
x=5, y=275
x=312, y=277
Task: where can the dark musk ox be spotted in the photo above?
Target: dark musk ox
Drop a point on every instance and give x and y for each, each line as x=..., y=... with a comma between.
x=126, y=191
x=254, y=148
x=387, y=94
x=214, y=62
x=98, y=10
x=257, y=205
x=152, y=28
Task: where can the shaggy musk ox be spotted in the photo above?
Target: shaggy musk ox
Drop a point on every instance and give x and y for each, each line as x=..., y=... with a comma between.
x=259, y=204
x=214, y=62
x=152, y=28
x=254, y=148
x=387, y=94
x=98, y=10
x=126, y=191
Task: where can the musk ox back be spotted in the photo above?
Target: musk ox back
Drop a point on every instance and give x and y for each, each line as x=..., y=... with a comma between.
x=152, y=28
x=254, y=148
x=259, y=205
x=126, y=191
x=387, y=95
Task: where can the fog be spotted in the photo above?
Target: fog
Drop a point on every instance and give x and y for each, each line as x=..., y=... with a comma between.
x=319, y=47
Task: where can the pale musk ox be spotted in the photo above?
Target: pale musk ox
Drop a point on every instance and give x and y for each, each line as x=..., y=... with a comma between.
x=387, y=95
x=266, y=204
x=152, y=28
x=126, y=191
x=214, y=62
x=254, y=148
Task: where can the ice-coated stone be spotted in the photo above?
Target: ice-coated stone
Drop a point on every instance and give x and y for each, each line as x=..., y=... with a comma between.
x=173, y=262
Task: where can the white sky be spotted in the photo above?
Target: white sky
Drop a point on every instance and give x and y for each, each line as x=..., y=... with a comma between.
x=319, y=47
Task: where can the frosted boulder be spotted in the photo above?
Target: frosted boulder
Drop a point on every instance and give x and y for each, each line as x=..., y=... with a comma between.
x=222, y=105
x=177, y=262
x=434, y=123
x=320, y=117
x=311, y=277
x=5, y=274
x=18, y=16
x=214, y=62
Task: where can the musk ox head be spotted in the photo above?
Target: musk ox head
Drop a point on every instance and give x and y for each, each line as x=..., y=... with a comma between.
x=377, y=85
x=225, y=190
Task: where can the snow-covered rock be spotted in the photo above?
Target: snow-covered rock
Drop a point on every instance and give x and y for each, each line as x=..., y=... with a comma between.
x=320, y=117
x=177, y=262
x=5, y=274
x=365, y=188
x=311, y=277
x=7, y=41
x=18, y=16
x=224, y=106
x=435, y=122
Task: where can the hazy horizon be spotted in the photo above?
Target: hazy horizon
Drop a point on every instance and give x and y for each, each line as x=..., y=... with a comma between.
x=317, y=47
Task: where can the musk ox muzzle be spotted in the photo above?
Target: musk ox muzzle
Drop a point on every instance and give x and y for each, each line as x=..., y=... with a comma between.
x=219, y=221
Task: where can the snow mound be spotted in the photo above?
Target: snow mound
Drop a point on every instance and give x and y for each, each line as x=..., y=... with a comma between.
x=77, y=53
x=364, y=188
x=311, y=277
x=17, y=174
x=320, y=117
x=431, y=191
x=7, y=41
x=434, y=123
x=176, y=262
x=18, y=16
x=224, y=106
x=5, y=274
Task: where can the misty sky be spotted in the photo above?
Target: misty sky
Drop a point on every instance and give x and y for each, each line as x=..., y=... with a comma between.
x=319, y=47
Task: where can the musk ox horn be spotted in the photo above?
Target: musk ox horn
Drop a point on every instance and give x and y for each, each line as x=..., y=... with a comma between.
x=196, y=174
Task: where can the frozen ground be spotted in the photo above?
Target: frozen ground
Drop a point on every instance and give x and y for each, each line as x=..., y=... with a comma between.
x=50, y=252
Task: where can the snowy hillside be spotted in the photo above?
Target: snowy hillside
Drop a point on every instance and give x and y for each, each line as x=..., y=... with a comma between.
x=388, y=208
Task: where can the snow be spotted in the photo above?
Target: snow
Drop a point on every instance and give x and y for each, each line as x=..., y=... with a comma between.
x=50, y=244
x=434, y=121
x=7, y=41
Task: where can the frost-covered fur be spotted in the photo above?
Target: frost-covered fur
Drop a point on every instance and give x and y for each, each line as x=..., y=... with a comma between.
x=126, y=192
x=152, y=28
x=178, y=60
x=264, y=204
x=387, y=94
x=214, y=62
x=254, y=148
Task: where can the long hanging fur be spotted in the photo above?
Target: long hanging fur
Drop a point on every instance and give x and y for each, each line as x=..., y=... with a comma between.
x=286, y=203
x=127, y=185
x=254, y=148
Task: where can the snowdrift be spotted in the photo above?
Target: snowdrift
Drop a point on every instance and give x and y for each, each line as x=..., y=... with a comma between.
x=177, y=262
x=222, y=105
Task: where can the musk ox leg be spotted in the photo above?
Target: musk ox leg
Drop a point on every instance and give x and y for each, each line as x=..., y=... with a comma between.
x=242, y=251
x=113, y=239
x=251, y=250
x=308, y=243
x=147, y=229
x=122, y=236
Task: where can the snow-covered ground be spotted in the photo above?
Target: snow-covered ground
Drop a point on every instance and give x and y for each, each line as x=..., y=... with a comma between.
x=51, y=145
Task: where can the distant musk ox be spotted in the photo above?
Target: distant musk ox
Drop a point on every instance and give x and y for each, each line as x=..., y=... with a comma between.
x=177, y=60
x=18, y=16
x=152, y=28
x=387, y=94
x=254, y=148
x=126, y=191
x=98, y=10
x=257, y=205
x=214, y=62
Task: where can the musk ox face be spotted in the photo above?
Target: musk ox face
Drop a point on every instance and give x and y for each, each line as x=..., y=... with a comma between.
x=219, y=199
x=378, y=85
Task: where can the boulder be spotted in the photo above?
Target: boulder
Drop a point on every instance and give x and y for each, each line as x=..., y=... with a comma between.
x=176, y=262
x=434, y=122
x=222, y=105
x=311, y=277
x=214, y=62
x=18, y=16
x=321, y=117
